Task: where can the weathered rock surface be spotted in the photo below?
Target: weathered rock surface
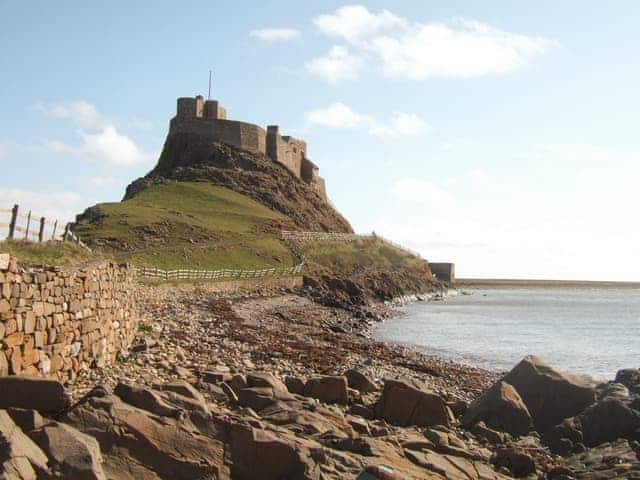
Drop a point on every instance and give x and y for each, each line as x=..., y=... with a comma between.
x=550, y=396
x=406, y=403
x=20, y=458
x=360, y=381
x=43, y=395
x=72, y=454
x=608, y=420
x=500, y=408
x=327, y=389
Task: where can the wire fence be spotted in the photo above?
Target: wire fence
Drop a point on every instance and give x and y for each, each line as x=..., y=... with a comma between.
x=16, y=224
x=298, y=236
x=190, y=274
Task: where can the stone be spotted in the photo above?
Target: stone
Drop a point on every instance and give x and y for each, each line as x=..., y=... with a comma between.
x=71, y=453
x=264, y=379
x=327, y=389
x=630, y=378
x=606, y=421
x=27, y=420
x=44, y=395
x=520, y=464
x=294, y=385
x=14, y=444
x=404, y=403
x=146, y=399
x=134, y=440
x=259, y=454
x=4, y=261
x=550, y=396
x=181, y=387
x=4, y=365
x=500, y=408
x=259, y=398
x=359, y=381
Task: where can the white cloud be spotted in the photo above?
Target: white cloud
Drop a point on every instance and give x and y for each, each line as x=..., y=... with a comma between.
x=271, y=35
x=336, y=66
x=420, y=191
x=61, y=206
x=81, y=113
x=106, y=145
x=353, y=22
x=401, y=125
x=100, y=139
x=405, y=49
x=338, y=115
x=440, y=50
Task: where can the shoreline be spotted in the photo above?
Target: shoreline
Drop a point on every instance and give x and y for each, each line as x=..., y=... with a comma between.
x=534, y=283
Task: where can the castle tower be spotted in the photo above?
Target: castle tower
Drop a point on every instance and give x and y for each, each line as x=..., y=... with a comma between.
x=213, y=110
x=272, y=142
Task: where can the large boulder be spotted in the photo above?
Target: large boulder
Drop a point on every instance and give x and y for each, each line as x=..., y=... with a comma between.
x=260, y=454
x=265, y=380
x=327, y=389
x=501, y=408
x=608, y=420
x=154, y=446
x=360, y=381
x=20, y=458
x=146, y=399
x=630, y=378
x=34, y=393
x=550, y=396
x=404, y=402
x=72, y=454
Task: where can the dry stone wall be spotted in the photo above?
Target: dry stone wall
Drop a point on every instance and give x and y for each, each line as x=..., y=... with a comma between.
x=54, y=322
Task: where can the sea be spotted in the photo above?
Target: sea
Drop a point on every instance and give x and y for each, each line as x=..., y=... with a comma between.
x=593, y=332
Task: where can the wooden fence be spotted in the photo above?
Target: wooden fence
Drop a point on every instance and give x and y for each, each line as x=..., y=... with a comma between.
x=340, y=237
x=27, y=226
x=188, y=274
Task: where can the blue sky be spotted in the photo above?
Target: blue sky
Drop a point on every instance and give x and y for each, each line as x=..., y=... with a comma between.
x=498, y=135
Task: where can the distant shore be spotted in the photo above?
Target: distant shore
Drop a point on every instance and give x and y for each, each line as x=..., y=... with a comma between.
x=519, y=283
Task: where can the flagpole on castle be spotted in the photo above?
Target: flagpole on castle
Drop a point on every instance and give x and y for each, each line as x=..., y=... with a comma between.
x=209, y=96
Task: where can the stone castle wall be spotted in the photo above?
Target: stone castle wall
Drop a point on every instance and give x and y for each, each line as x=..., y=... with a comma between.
x=54, y=322
x=207, y=118
x=239, y=134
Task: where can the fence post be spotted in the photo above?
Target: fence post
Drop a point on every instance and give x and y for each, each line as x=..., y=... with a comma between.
x=12, y=224
x=65, y=235
x=26, y=234
x=41, y=232
x=55, y=226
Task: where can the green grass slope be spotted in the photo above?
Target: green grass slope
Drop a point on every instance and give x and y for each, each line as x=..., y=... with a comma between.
x=194, y=225
x=49, y=253
x=352, y=273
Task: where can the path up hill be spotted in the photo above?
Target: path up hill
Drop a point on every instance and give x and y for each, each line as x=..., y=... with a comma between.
x=189, y=157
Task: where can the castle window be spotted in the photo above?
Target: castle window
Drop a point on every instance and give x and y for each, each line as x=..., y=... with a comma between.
x=295, y=150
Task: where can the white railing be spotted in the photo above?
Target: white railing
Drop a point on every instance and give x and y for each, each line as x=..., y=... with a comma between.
x=297, y=236
x=191, y=274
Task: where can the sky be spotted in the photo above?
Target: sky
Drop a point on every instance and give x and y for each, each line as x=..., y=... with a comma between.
x=499, y=135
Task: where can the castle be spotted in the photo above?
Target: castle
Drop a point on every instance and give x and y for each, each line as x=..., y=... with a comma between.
x=208, y=118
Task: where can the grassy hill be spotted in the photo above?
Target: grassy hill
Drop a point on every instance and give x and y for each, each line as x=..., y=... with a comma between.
x=188, y=225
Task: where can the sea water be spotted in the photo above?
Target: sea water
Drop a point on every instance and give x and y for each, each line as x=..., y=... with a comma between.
x=590, y=331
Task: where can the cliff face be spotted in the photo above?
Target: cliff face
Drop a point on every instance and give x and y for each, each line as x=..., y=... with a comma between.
x=189, y=157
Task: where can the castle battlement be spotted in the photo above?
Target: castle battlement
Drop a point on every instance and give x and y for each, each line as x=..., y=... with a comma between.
x=208, y=118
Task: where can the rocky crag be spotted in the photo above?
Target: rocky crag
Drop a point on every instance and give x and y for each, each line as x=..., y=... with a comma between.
x=188, y=157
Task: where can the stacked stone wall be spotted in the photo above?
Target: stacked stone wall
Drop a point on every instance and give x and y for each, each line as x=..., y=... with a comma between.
x=55, y=322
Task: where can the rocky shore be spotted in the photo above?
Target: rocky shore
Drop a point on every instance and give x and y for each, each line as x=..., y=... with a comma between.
x=276, y=386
